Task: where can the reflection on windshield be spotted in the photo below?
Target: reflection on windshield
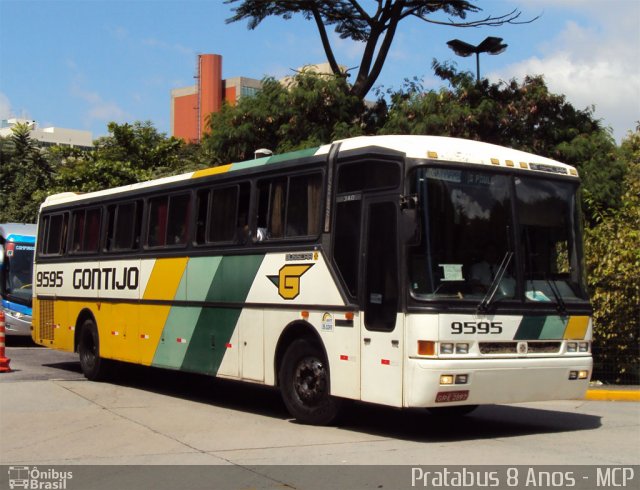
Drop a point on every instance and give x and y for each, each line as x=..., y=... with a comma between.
x=469, y=226
x=19, y=260
x=547, y=215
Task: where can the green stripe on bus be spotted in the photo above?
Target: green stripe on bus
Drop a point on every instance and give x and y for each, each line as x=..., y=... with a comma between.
x=215, y=326
x=307, y=152
x=541, y=327
x=180, y=324
x=554, y=327
x=530, y=327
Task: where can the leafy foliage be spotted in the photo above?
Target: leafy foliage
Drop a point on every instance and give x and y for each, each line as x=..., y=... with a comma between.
x=314, y=109
x=375, y=27
x=23, y=171
x=131, y=153
x=525, y=116
x=613, y=260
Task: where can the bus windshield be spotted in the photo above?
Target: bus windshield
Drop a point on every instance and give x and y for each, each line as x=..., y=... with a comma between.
x=513, y=237
x=18, y=270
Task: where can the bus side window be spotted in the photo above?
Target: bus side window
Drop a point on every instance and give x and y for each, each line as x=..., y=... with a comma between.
x=123, y=226
x=86, y=230
x=222, y=218
x=178, y=225
x=271, y=207
x=346, y=245
x=157, y=230
x=289, y=208
x=54, y=235
x=303, y=205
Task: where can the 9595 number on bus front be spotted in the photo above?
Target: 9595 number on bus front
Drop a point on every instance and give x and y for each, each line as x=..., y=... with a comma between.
x=472, y=328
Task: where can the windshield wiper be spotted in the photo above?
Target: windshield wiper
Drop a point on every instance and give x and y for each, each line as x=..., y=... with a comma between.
x=483, y=306
x=560, y=304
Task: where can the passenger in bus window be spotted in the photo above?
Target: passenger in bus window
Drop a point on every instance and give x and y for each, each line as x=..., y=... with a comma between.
x=243, y=233
x=483, y=273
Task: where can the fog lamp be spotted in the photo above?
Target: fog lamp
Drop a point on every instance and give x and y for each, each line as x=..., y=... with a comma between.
x=446, y=379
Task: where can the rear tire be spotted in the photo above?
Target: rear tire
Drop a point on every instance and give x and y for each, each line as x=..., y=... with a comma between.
x=94, y=367
x=304, y=384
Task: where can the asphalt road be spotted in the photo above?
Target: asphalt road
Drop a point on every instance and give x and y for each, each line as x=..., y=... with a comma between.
x=51, y=415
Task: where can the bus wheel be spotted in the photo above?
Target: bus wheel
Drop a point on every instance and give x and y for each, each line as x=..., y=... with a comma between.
x=454, y=411
x=304, y=384
x=93, y=366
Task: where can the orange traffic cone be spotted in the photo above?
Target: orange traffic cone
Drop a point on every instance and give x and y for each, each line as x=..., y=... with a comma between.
x=4, y=362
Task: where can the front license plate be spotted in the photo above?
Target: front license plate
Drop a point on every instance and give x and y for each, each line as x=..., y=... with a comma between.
x=452, y=396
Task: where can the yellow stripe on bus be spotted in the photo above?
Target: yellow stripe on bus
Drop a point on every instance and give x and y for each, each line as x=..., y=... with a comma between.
x=576, y=328
x=163, y=285
x=165, y=278
x=211, y=171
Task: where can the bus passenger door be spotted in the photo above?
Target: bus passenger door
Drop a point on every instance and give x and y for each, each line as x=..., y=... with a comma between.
x=381, y=330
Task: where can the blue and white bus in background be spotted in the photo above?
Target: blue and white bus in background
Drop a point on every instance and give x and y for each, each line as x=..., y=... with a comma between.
x=17, y=243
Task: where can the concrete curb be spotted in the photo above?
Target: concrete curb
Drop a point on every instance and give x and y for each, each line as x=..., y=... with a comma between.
x=604, y=394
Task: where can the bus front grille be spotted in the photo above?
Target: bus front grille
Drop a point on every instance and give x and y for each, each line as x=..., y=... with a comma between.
x=498, y=347
x=544, y=347
x=495, y=348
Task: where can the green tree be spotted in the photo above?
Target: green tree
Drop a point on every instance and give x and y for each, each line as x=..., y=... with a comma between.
x=310, y=110
x=23, y=171
x=613, y=261
x=130, y=153
x=374, y=26
x=525, y=116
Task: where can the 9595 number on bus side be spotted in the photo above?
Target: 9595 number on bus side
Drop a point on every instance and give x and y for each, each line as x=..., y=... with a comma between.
x=472, y=328
x=49, y=279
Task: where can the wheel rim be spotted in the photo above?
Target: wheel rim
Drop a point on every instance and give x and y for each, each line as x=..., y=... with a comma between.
x=310, y=381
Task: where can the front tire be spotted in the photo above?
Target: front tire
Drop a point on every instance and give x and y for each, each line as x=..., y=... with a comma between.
x=94, y=367
x=304, y=384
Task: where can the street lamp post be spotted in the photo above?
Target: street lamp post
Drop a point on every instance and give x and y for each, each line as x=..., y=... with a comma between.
x=491, y=45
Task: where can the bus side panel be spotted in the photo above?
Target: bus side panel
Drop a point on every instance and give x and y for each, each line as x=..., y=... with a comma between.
x=251, y=342
x=341, y=337
x=205, y=339
x=53, y=325
x=302, y=284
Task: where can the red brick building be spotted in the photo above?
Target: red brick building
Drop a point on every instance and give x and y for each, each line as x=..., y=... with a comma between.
x=191, y=106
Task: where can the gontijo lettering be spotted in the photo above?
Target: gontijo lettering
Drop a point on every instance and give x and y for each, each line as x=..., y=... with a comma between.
x=106, y=278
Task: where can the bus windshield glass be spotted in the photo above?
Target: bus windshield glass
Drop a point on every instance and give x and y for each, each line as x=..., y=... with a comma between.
x=487, y=233
x=18, y=270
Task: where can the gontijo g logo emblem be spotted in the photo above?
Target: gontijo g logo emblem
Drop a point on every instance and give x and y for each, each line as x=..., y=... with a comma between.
x=288, y=280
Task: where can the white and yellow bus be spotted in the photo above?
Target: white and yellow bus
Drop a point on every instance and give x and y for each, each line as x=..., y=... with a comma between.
x=409, y=271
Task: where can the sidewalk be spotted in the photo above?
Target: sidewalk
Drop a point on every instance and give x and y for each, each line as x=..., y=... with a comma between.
x=613, y=393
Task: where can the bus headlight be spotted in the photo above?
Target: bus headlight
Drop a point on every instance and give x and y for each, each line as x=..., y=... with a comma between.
x=583, y=347
x=462, y=348
x=446, y=348
x=572, y=346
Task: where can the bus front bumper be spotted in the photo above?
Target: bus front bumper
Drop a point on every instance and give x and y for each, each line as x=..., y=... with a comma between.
x=492, y=381
x=17, y=324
